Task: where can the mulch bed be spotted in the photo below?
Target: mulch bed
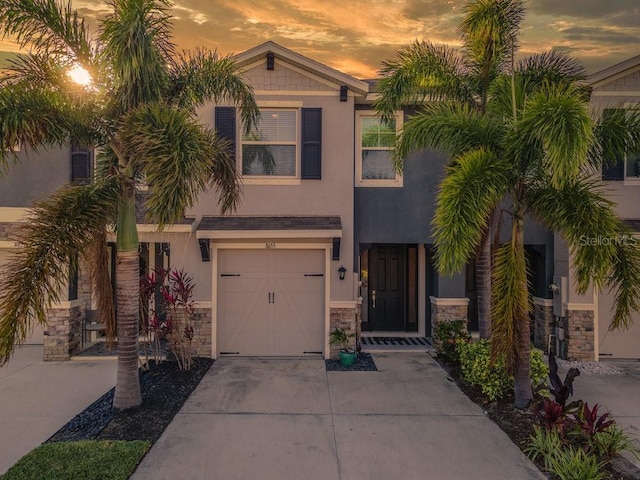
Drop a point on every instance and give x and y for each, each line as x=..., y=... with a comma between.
x=364, y=363
x=518, y=424
x=165, y=388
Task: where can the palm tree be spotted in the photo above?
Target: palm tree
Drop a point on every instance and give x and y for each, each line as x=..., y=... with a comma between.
x=519, y=135
x=423, y=71
x=139, y=113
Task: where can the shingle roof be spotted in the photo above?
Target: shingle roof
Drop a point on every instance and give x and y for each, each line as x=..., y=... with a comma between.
x=270, y=223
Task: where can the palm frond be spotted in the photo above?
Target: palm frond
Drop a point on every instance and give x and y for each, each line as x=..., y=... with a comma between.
x=559, y=119
x=97, y=257
x=57, y=230
x=46, y=25
x=201, y=75
x=136, y=45
x=473, y=187
x=179, y=159
x=509, y=304
x=450, y=128
x=420, y=71
x=581, y=212
x=551, y=67
x=31, y=117
x=489, y=32
x=617, y=136
x=624, y=280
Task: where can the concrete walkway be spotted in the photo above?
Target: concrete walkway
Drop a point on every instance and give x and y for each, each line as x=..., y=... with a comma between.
x=37, y=398
x=288, y=418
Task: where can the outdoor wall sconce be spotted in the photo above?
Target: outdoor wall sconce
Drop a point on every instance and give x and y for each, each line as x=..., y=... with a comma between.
x=554, y=288
x=343, y=93
x=205, y=253
x=341, y=272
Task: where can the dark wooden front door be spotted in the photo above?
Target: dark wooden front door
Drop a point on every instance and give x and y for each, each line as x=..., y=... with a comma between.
x=387, y=277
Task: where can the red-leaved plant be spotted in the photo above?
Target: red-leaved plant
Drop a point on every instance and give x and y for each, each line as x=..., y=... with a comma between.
x=173, y=320
x=590, y=422
x=178, y=293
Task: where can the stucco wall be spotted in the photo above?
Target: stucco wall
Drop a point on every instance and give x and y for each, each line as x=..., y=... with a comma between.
x=332, y=195
x=34, y=176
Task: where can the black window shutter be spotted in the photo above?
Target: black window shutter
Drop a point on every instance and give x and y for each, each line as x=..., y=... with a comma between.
x=80, y=165
x=613, y=171
x=226, y=125
x=312, y=143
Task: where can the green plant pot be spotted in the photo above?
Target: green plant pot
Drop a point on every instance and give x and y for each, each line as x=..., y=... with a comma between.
x=347, y=358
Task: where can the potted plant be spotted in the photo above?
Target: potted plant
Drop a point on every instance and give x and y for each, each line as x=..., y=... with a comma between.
x=340, y=337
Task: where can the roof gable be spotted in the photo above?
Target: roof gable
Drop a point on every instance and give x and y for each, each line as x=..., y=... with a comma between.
x=255, y=54
x=614, y=72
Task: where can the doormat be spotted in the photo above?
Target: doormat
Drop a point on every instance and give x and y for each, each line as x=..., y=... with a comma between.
x=364, y=363
x=395, y=341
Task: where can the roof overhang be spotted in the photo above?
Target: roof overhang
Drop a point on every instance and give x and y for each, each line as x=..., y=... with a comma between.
x=284, y=227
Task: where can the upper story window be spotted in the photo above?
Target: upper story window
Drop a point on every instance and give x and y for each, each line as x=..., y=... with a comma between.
x=375, y=141
x=284, y=148
x=627, y=168
x=271, y=149
x=80, y=164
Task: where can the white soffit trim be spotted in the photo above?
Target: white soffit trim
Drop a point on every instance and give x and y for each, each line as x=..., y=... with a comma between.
x=614, y=93
x=256, y=234
x=343, y=304
x=449, y=301
x=545, y=302
x=577, y=307
x=13, y=214
x=175, y=228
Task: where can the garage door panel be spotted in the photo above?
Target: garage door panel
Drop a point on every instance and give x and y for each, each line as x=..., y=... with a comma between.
x=271, y=302
x=619, y=343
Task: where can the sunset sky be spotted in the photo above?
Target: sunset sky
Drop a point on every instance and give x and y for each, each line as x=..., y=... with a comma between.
x=356, y=36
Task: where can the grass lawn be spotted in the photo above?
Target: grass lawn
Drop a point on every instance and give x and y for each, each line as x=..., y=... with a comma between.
x=86, y=460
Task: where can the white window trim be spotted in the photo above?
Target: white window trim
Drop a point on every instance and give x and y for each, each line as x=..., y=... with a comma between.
x=274, y=179
x=360, y=182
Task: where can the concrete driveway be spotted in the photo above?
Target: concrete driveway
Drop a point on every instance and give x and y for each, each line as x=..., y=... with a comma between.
x=289, y=418
x=618, y=394
x=38, y=398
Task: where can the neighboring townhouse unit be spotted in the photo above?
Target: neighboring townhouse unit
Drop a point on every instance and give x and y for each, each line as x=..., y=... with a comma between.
x=327, y=233
x=32, y=178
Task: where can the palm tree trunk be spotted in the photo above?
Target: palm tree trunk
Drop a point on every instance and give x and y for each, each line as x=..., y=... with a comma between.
x=127, y=393
x=522, y=378
x=483, y=281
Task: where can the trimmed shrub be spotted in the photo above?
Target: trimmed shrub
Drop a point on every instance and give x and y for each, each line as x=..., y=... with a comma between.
x=447, y=335
x=493, y=380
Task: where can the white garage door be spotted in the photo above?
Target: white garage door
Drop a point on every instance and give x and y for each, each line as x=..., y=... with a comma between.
x=270, y=302
x=37, y=335
x=619, y=343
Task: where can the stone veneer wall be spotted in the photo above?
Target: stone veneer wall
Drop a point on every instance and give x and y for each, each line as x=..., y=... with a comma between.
x=542, y=322
x=8, y=230
x=580, y=335
x=201, y=344
x=446, y=310
x=62, y=336
x=347, y=319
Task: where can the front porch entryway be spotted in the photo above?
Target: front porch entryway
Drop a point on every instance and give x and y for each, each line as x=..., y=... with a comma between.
x=389, y=275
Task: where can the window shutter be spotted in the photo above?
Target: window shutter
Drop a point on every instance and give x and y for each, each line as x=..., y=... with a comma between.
x=311, y=143
x=613, y=171
x=80, y=165
x=226, y=125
